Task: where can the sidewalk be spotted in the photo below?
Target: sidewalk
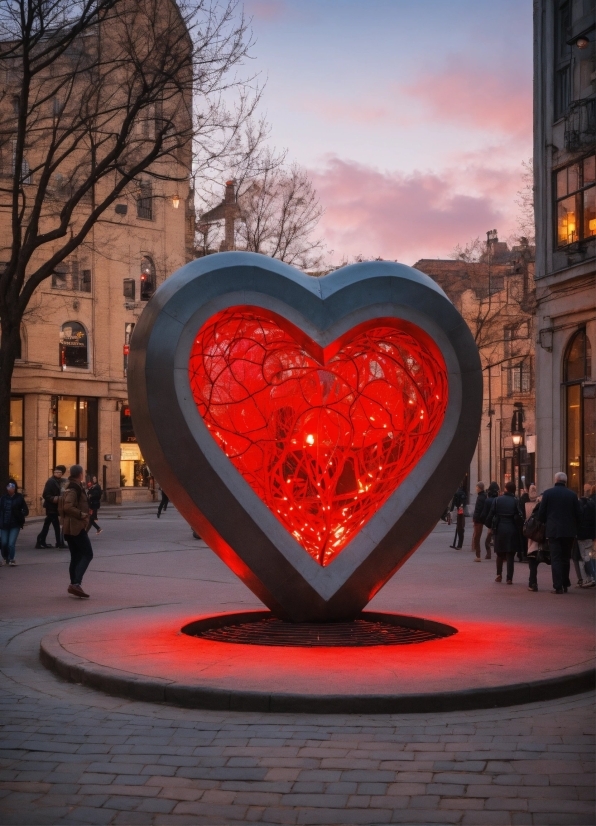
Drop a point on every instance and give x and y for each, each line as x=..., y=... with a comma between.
x=71, y=755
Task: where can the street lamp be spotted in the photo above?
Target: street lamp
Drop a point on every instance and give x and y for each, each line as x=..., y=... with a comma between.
x=517, y=437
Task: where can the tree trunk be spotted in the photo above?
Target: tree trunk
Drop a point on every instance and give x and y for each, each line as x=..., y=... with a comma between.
x=9, y=349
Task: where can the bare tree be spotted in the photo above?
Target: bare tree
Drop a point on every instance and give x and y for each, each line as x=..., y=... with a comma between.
x=96, y=100
x=276, y=212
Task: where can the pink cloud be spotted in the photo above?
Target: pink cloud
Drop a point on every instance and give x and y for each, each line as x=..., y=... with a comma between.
x=266, y=9
x=407, y=217
x=477, y=95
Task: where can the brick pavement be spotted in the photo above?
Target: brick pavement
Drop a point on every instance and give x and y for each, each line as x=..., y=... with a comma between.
x=72, y=755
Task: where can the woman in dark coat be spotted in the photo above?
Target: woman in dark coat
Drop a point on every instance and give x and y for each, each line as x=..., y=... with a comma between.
x=506, y=519
x=13, y=511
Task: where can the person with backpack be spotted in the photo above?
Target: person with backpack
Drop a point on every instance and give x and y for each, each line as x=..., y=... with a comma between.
x=50, y=495
x=73, y=508
x=506, y=520
x=492, y=493
x=94, y=492
x=13, y=512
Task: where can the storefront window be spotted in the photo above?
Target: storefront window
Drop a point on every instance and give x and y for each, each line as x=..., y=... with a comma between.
x=134, y=471
x=580, y=413
x=75, y=432
x=15, y=445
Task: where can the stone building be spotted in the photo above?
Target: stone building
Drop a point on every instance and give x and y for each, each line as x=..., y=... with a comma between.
x=565, y=208
x=69, y=388
x=495, y=295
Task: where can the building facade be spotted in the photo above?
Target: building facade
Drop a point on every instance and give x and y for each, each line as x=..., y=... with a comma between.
x=565, y=208
x=496, y=297
x=69, y=391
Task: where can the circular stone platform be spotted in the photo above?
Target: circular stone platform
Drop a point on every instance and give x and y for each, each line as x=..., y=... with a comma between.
x=143, y=653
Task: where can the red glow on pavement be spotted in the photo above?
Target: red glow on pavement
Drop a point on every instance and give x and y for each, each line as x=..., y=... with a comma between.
x=323, y=437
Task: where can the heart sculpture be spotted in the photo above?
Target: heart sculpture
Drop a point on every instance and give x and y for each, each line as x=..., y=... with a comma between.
x=311, y=430
x=323, y=441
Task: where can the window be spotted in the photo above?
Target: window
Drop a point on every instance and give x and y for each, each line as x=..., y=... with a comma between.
x=147, y=278
x=580, y=409
x=74, y=427
x=15, y=445
x=25, y=173
x=145, y=201
x=575, y=188
x=519, y=378
x=562, y=60
x=70, y=277
x=73, y=346
x=128, y=289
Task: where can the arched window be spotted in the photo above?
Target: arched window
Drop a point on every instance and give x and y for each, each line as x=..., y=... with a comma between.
x=147, y=278
x=73, y=345
x=580, y=410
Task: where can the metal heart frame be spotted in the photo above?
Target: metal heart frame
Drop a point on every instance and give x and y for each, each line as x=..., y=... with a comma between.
x=212, y=495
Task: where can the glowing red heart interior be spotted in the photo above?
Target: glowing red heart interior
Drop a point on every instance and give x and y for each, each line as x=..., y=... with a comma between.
x=323, y=437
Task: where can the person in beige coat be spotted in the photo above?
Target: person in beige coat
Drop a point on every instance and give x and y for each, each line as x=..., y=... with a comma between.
x=74, y=516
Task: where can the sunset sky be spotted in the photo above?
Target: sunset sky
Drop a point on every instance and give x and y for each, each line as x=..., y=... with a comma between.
x=413, y=117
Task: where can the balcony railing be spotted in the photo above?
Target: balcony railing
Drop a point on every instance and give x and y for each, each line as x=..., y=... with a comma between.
x=580, y=125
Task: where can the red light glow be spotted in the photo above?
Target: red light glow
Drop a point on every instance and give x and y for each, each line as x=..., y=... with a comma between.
x=323, y=437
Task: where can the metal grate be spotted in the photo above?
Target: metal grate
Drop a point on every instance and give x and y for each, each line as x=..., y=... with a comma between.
x=360, y=632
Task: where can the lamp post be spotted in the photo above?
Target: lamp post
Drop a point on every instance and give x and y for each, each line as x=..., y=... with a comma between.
x=517, y=437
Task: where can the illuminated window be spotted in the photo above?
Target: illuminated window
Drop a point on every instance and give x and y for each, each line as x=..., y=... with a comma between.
x=147, y=278
x=575, y=188
x=580, y=409
x=73, y=345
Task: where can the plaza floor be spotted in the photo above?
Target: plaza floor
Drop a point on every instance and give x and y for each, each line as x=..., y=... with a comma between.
x=69, y=754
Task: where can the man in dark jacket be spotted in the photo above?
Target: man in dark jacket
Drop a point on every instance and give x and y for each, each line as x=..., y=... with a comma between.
x=477, y=519
x=561, y=513
x=13, y=511
x=75, y=517
x=50, y=495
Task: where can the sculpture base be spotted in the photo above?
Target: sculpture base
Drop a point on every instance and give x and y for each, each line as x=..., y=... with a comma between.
x=148, y=654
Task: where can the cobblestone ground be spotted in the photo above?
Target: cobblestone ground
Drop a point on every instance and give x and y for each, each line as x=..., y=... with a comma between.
x=72, y=755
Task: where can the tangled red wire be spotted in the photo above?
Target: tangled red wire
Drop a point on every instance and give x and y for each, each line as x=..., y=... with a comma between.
x=322, y=441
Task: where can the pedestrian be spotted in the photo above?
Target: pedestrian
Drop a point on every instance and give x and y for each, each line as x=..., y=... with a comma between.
x=458, y=503
x=94, y=492
x=534, y=548
x=523, y=500
x=74, y=511
x=13, y=512
x=586, y=534
x=506, y=519
x=561, y=513
x=481, y=498
x=50, y=495
x=492, y=493
x=163, y=504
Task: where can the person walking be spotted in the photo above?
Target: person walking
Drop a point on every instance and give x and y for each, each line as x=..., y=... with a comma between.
x=459, y=502
x=506, y=519
x=523, y=500
x=481, y=498
x=13, y=512
x=94, y=496
x=561, y=514
x=74, y=510
x=50, y=495
x=586, y=534
x=163, y=503
x=493, y=492
x=534, y=548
